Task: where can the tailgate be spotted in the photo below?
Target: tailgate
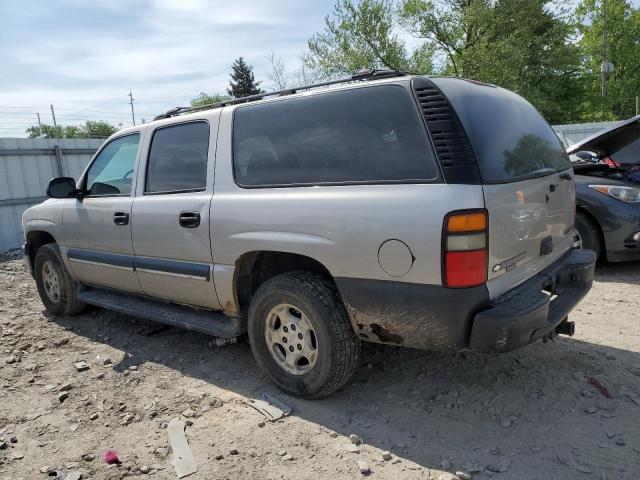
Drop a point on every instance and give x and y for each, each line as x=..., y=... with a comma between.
x=530, y=224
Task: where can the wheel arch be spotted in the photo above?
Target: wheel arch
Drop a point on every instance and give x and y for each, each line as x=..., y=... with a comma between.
x=599, y=232
x=254, y=268
x=35, y=240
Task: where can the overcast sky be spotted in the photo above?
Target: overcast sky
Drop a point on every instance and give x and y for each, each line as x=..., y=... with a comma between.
x=82, y=55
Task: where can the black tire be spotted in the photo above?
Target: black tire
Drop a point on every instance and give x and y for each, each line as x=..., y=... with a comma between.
x=589, y=234
x=65, y=303
x=338, y=347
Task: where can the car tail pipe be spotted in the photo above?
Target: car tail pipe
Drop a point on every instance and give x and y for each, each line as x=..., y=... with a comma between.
x=566, y=328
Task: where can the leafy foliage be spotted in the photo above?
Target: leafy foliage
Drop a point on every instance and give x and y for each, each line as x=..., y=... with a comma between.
x=242, y=83
x=363, y=36
x=206, y=99
x=622, y=22
x=528, y=46
x=91, y=129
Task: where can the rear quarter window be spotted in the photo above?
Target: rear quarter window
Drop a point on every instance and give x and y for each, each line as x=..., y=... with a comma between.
x=510, y=139
x=361, y=135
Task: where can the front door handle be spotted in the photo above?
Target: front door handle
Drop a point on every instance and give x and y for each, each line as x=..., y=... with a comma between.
x=121, y=218
x=189, y=219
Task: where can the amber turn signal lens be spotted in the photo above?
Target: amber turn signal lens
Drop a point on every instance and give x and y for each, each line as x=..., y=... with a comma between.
x=467, y=222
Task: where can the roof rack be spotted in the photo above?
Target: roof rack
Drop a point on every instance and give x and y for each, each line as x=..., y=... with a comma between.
x=367, y=74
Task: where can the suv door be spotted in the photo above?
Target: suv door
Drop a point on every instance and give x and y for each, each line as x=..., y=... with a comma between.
x=97, y=228
x=171, y=215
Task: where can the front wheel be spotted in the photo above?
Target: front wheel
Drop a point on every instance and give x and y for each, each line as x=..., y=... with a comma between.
x=56, y=288
x=589, y=234
x=301, y=336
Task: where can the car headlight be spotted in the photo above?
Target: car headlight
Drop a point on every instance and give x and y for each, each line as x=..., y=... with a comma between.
x=626, y=194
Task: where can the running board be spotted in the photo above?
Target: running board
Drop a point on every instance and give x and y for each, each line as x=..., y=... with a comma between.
x=203, y=321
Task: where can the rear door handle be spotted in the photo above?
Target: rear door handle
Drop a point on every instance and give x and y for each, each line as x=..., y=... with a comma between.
x=189, y=219
x=121, y=218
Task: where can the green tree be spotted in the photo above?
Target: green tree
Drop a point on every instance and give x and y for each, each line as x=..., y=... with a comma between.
x=363, y=35
x=523, y=45
x=45, y=131
x=242, y=83
x=97, y=129
x=206, y=99
x=91, y=129
x=622, y=26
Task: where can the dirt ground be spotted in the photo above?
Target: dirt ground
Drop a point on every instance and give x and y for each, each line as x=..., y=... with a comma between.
x=530, y=414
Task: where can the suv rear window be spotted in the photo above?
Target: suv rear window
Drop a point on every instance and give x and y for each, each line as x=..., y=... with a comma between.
x=178, y=158
x=510, y=139
x=361, y=135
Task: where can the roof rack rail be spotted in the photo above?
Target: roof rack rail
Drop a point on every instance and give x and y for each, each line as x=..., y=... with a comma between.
x=366, y=74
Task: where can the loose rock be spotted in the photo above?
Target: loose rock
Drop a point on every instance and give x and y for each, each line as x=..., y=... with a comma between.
x=363, y=467
x=63, y=396
x=386, y=455
x=463, y=475
x=505, y=422
x=355, y=439
x=351, y=448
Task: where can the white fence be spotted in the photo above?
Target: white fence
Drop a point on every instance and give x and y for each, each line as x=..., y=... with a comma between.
x=26, y=166
x=573, y=133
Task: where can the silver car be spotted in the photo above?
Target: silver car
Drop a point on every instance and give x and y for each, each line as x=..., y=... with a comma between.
x=435, y=213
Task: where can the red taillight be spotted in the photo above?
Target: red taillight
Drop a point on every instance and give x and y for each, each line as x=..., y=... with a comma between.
x=465, y=245
x=466, y=269
x=611, y=162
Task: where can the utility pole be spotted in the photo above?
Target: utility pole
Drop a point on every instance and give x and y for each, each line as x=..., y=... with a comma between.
x=53, y=114
x=40, y=123
x=604, y=67
x=133, y=116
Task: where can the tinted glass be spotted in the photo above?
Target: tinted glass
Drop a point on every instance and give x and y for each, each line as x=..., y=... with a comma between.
x=509, y=137
x=178, y=158
x=112, y=171
x=360, y=135
x=629, y=155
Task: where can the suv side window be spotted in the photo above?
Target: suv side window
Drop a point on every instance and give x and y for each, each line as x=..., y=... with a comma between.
x=178, y=158
x=362, y=135
x=112, y=171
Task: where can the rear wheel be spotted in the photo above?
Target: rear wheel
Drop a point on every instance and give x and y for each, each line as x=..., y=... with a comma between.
x=56, y=288
x=301, y=336
x=589, y=234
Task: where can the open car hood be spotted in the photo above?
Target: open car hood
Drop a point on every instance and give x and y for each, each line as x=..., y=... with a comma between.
x=610, y=140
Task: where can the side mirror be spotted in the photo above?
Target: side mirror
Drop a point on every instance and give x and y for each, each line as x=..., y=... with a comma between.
x=587, y=156
x=62, y=187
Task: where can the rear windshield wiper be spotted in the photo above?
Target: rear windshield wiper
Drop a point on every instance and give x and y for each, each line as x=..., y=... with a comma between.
x=542, y=172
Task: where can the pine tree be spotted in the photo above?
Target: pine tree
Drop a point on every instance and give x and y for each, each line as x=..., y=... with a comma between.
x=242, y=83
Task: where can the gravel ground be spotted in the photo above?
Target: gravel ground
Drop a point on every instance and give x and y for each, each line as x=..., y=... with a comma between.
x=531, y=414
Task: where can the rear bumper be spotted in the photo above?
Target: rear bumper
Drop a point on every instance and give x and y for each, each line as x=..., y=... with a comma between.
x=535, y=308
